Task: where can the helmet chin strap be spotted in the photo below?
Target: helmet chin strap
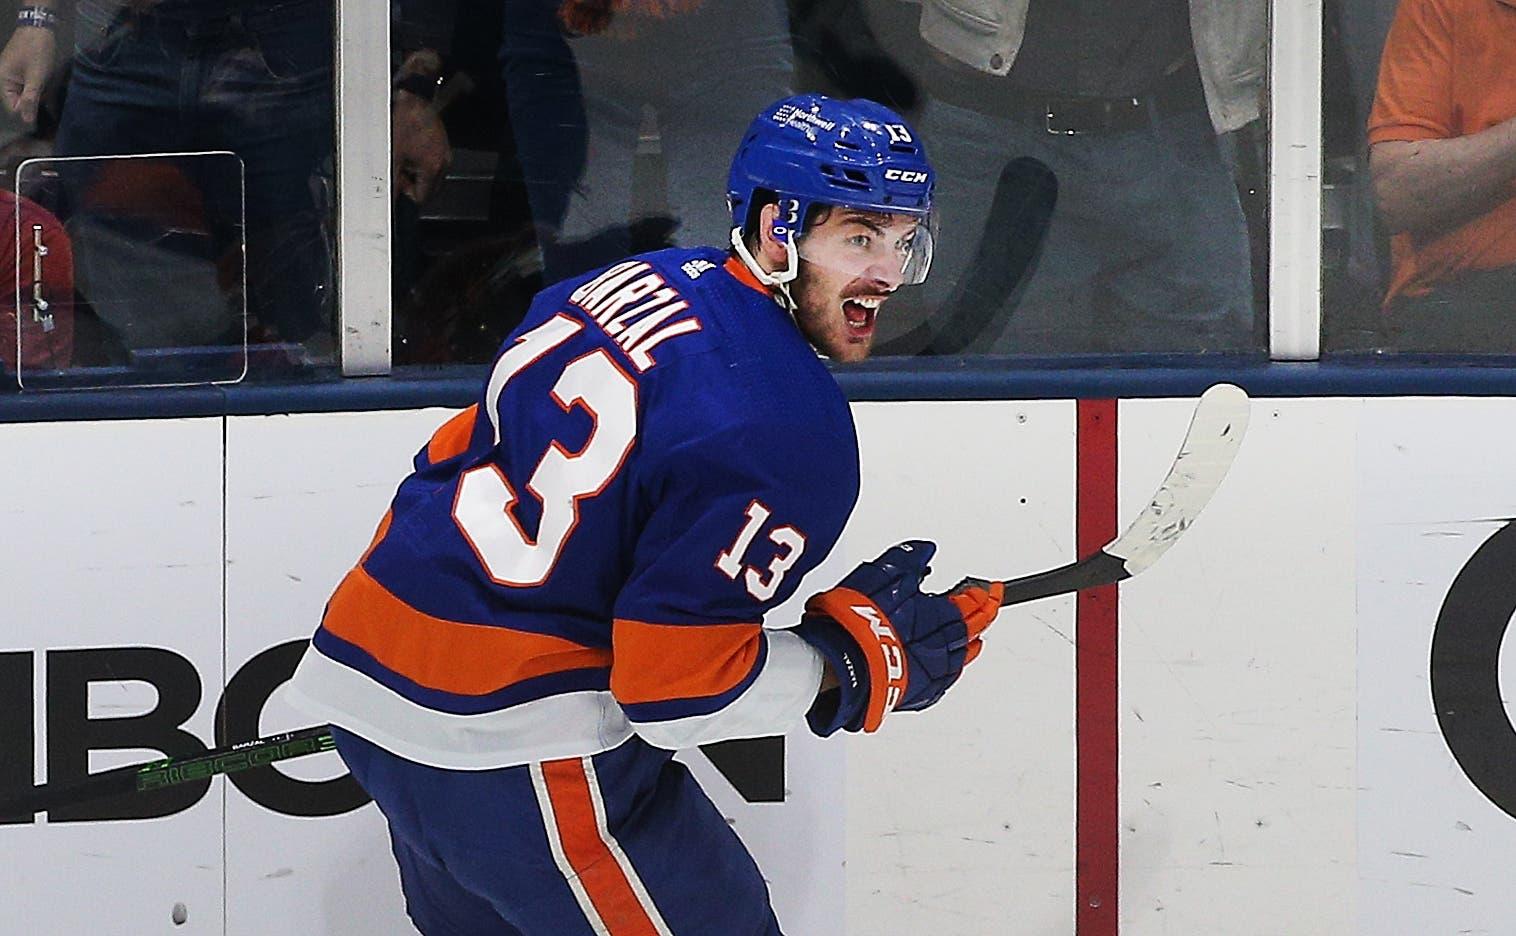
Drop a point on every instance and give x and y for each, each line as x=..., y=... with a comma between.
x=780, y=280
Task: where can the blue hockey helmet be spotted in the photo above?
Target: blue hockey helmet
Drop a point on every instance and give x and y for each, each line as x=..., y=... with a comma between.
x=810, y=149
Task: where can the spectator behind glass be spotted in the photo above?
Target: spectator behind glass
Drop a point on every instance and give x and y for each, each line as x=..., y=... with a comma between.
x=1124, y=100
x=1442, y=137
x=463, y=270
x=579, y=75
x=250, y=76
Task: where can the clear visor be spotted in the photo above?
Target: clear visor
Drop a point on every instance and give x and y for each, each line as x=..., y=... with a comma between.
x=886, y=250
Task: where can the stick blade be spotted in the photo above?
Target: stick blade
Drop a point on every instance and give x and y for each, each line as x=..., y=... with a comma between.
x=1205, y=455
x=1215, y=434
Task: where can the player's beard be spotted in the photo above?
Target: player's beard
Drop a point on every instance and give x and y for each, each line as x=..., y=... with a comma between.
x=818, y=295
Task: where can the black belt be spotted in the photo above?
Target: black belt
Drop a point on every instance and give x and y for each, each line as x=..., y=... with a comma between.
x=210, y=23
x=1060, y=115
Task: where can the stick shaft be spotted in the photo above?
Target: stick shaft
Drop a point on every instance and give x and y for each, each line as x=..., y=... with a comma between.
x=1089, y=572
x=169, y=771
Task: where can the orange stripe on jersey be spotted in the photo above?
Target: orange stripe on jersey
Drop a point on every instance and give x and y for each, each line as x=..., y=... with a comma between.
x=743, y=275
x=657, y=662
x=589, y=855
x=452, y=437
x=379, y=534
x=450, y=656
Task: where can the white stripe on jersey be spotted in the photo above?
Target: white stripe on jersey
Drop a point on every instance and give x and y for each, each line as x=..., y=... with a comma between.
x=571, y=724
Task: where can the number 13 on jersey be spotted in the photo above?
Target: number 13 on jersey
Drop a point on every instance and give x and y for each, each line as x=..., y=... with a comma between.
x=484, y=510
x=791, y=543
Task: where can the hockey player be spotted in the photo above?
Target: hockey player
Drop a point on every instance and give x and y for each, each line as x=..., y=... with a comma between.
x=570, y=584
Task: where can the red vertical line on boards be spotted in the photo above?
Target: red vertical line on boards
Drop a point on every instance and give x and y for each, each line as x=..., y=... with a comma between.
x=1096, y=839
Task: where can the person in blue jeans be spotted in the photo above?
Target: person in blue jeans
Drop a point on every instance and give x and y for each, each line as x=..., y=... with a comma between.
x=251, y=76
x=580, y=74
x=1134, y=107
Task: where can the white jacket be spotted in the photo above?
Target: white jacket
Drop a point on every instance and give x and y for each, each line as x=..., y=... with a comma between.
x=1231, y=46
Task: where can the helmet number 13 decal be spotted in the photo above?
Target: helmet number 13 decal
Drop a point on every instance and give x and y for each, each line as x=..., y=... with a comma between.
x=484, y=508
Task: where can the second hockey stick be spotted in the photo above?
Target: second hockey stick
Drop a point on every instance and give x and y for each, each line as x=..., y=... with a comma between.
x=1021, y=208
x=1215, y=433
x=168, y=771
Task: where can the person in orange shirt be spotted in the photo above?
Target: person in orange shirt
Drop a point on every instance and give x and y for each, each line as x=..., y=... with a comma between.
x=1442, y=154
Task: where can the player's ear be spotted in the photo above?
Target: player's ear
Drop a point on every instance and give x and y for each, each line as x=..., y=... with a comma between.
x=770, y=248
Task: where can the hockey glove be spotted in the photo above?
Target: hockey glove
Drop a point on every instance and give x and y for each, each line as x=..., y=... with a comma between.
x=891, y=645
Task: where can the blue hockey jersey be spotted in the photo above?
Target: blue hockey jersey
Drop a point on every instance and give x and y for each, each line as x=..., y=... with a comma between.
x=657, y=459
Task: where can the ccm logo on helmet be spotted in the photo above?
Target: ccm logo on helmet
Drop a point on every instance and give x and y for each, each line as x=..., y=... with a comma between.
x=904, y=175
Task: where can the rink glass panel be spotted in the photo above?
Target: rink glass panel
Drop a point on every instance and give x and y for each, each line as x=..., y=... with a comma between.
x=139, y=259
x=238, y=246
x=573, y=149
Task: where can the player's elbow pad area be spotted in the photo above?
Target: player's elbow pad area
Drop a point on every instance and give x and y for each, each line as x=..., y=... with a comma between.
x=685, y=685
x=665, y=673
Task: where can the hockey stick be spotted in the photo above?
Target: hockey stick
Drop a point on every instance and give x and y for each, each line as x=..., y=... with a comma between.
x=169, y=771
x=1014, y=228
x=1216, y=431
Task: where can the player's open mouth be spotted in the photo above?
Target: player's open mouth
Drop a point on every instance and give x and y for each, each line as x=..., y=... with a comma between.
x=859, y=311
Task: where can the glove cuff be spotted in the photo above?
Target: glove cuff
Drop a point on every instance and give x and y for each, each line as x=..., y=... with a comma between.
x=839, y=709
x=881, y=681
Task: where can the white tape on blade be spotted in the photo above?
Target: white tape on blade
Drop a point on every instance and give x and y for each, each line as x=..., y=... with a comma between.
x=1216, y=431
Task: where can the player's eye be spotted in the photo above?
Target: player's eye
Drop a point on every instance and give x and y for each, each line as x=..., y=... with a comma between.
x=861, y=241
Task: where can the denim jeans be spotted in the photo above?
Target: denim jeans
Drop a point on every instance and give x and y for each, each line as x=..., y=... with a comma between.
x=577, y=106
x=254, y=78
x=1147, y=250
